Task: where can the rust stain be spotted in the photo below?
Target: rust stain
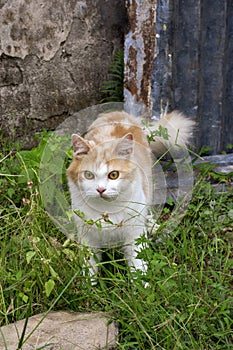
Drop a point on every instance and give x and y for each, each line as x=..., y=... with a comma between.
x=131, y=79
x=132, y=15
x=148, y=35
x=141, y=59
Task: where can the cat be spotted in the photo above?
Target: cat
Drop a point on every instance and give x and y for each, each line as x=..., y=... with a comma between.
x=110, y=181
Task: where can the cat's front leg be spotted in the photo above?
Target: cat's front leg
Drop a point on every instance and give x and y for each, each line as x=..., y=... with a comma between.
x=92, y=266
x=131, y=253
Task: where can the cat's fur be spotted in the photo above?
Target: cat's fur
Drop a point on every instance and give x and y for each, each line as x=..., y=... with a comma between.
x=110, y=180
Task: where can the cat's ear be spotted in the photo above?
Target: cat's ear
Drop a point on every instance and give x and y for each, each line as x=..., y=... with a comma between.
x=125, y=146
x=80, y=146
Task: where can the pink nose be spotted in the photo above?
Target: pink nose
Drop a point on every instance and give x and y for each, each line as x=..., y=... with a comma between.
x=101, y=190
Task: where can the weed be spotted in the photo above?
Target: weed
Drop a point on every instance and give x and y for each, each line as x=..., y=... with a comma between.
x=113, y=87
x=188, y=303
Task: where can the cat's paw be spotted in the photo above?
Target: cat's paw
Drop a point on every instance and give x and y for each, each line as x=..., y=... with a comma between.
x=146, y=284
x=94, y=282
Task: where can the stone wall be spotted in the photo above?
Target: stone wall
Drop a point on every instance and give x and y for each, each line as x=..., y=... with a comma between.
x=54, y=56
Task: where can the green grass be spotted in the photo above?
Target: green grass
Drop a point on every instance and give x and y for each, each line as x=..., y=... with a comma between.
x=188, y=304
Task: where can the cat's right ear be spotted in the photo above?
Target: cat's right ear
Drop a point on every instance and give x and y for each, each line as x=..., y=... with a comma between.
x=125, y=146
x=80, y=146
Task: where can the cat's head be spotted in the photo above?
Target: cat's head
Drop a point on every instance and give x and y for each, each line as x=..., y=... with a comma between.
x=103, y=171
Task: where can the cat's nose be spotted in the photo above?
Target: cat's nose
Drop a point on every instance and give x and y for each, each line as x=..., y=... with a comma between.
x=101, y=190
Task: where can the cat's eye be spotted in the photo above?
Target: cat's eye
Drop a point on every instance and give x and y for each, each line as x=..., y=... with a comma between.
x=113, y=175
x=89, y=175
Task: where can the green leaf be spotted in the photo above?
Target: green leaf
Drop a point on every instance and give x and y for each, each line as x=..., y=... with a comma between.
x=49, y=286
x=90, y=222
x=54, y=274
x=98, y=224
x=69, y=254
x=10, y=192
x=230, y=214
x=24, y=297
x=29, y=256
x=79, y=213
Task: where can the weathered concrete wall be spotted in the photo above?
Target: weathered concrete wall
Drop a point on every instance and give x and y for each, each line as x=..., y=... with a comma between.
x=54, y=56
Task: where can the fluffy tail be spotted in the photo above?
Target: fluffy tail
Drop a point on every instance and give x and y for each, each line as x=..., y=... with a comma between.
x=172, y=131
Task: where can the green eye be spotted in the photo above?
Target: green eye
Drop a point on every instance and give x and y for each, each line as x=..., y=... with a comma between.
x=113, y=175
x=89, y=175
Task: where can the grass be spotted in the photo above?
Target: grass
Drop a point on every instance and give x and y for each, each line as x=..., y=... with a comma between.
x=188, y=304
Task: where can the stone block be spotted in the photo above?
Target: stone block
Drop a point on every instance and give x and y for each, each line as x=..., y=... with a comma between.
x=62, y=330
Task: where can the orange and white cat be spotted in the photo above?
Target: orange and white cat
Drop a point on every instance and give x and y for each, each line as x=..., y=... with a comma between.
x=110, y=181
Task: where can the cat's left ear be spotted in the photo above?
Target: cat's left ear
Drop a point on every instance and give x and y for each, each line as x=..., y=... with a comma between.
x=80, y=146
x=124, y=147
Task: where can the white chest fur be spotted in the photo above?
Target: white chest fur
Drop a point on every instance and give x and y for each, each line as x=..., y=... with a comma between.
x=108, y=224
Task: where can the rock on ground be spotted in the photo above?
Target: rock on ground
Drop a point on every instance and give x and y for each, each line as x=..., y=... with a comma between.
x=62, y=331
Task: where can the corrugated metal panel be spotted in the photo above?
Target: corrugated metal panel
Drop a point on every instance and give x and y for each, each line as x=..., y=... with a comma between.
x=193, y=68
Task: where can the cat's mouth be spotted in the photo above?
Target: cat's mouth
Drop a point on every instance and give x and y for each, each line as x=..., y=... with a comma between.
x=108, y=198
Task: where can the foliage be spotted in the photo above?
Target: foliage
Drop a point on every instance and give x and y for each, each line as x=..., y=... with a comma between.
x=188, y=302
x=113, y=87
x=152, y=134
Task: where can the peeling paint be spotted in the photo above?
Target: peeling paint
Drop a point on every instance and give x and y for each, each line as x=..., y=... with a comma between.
x=32, y=27
x=139, y=56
